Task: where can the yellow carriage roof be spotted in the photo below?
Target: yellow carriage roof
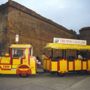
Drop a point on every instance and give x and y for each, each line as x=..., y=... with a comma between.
x=21, y=46
x=67, y=46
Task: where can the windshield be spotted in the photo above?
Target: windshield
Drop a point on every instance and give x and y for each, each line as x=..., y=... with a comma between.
x=17, y=52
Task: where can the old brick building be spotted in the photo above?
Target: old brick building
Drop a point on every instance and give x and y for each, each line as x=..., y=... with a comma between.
x=85, y=34
x=32, y=27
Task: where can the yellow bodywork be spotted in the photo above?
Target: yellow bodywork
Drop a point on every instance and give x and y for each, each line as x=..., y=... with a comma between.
x=48, y=62
x=33, y=65
x=70, y=66
x=64, y=65
x=88, y=65
x=10, y=65
x=77, y=65
x=67, y=46
x=44, y=64
x=54, y=66
x=5, y=60
x=84, y=65
x=49, y=65
x=20, y=46
x=13, y=71
x=15, y=63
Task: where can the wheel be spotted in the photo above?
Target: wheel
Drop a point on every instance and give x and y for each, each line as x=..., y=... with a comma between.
x=23, y=71
x=44, y=70
x=60, y=74
x=53, y=73
x=23, y=75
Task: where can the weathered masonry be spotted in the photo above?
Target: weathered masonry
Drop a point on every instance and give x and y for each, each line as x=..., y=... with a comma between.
x=85, y=34
x=32, y=27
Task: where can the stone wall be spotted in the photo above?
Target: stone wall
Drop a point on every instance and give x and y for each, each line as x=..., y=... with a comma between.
x=85, y=34
x=32, y=28
x=3, y=26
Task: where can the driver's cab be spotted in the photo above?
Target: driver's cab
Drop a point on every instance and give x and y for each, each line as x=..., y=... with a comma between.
x=20, y=54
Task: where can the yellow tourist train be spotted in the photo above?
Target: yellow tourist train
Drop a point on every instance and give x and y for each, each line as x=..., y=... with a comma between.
x=20, y=61
x=61, y=58
x=66, y=58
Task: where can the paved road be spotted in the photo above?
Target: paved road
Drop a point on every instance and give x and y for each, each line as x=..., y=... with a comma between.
x=45, y=82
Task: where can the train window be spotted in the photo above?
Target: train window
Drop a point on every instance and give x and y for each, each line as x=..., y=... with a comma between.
x=71, y=58
x=17, y=52
x=55, y=55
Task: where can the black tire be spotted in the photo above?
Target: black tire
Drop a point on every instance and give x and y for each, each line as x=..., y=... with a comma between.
x=23, y=75
x=61, y=74
x=44, y=70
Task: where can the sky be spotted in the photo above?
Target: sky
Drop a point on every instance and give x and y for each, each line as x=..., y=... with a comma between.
x=72, y=14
